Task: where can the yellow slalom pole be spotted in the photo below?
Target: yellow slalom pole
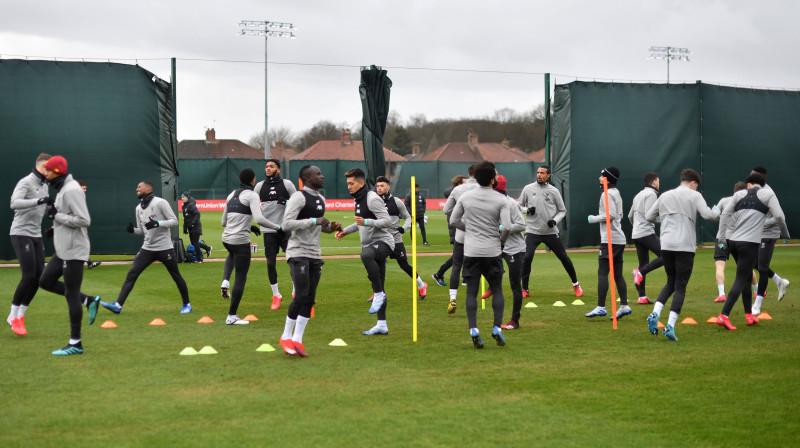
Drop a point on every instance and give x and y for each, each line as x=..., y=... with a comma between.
x=483, y=291
x=414, y=259
x=610, y=255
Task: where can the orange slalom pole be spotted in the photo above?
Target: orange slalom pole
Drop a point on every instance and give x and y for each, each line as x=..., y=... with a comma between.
x=413, y=260
x=610, y=256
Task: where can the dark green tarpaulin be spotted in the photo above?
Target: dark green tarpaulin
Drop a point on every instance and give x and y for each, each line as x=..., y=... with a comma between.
x=114, y=123
x=374, y=90
x=722, y=132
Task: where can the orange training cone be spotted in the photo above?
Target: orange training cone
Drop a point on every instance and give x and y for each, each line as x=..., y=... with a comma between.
x=250, y=318
x=312, y=312
x=157, y=321
x=660, y=325
x=689, y=320
x=764, y=316
x=712, y=320
x=205, y=320
x=109, y=324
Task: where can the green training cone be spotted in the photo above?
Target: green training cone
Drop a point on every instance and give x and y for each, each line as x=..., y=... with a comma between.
x=578, y=302
x=207, y=350
x=338, y=343
x=265, y=348
x=188, y=351
x=531, y=305
x=559, y=303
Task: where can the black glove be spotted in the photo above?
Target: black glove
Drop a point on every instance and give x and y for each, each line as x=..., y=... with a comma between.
x=152, y=224
x=401, y=230
x=51, y=212
x=722, y=245
x=255, y=230
x=45, y=200
x=49, y=233
x=531, y=211
x=551, y=223
x=130, y=227
x=185, y=230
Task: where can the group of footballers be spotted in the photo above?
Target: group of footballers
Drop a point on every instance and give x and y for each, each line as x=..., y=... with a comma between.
x=489, y=227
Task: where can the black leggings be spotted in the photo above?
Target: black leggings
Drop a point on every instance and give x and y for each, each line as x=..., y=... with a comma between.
x=645, y=245
x=765, y=251
x=532, y=241
x=445, y=266
x=492, y=269
x=514, y=264
x=70, y=288
x=458, y=261
x=239, y=255
x=745, y=254
x=619, y=277
x=421, y=222
x=30, y=253
x=194, y=239
x=401, y=257
x=273, y=242
x=305, y=273
x=678, y=266
x=145, y=258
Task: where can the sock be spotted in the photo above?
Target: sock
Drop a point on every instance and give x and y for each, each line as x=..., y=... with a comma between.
x=117, y=304
x=576, y=284
x=657, y=308
x=777, y=279
x=420, y=283
x=757, y=305
x=21, y=310
x=721, y=289
x=673, y=318
x=74, y=341
x=275, y=291
x=755, y=290
x=288, y=328
x=474, y=331
x=14, y=310
x=382, y=325
x=380, y=296
x=225, y=284
x=300, y=328
x=453, y=294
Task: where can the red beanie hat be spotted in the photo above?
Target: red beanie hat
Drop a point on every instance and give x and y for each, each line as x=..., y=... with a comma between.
x=501, y=183
x=57, y=164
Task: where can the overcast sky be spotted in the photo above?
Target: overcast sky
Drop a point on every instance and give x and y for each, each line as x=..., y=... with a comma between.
x=315, y=76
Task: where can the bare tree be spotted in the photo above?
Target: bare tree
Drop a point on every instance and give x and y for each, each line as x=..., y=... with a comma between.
x=276, y=134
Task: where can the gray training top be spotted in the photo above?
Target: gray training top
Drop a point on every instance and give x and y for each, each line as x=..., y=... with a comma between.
x=304, y=241
x=71, y=223
x=615, y=213
x=374, y=229
x=158, y=238
x=479, y=213
x=450, y=204
x=771, y=228
x=747, y=224
x=678, y=210
x=549, y=205
x=27, y=213
x=641, y=203
x=274, y=210
x=237, y=225
x=516, y=241
x=723, y=204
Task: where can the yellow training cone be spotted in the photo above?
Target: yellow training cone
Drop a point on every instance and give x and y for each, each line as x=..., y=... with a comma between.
x=109, y=324
x=689, y=320
x=338, y=343
x=205, y=320
x=559, y=303
x=265, y=348
x=578, y=302
x=157, y=321
x=207, y=350
x=188, y=351
x=250, y=318
x=531, y=305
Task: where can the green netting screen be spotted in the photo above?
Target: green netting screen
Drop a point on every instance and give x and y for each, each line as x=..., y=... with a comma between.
x=721, y=132
x=114, y=123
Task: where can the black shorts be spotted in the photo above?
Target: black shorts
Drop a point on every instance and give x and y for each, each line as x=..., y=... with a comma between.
x=617, y=249
x=489, y=267
x=765, y=253
x=274, y=242
x=399, y=252
x=721, y=254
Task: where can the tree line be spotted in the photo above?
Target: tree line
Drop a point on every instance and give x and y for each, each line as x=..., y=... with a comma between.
x=523, y=130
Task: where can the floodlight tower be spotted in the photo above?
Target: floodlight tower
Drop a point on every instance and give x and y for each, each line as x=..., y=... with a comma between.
x=670, y=54
x=267, y=29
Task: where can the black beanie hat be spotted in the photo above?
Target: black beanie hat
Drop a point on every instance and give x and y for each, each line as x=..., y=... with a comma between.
x=611, y=173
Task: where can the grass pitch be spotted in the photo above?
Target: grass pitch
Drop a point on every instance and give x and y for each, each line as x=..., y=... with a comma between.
x=562, y=380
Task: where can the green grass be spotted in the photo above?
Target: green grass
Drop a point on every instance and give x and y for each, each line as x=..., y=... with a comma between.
x=562, y=380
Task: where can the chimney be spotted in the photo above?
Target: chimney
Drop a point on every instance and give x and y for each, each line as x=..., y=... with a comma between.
x=415, y=148
x=346, y=137
x=280, y=145
x=211, y=135
x=472, y=141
